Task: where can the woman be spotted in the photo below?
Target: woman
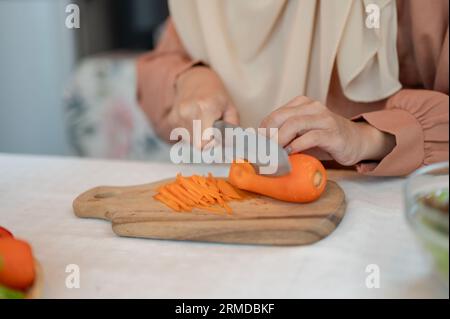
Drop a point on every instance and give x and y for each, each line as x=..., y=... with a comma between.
x=374, y=96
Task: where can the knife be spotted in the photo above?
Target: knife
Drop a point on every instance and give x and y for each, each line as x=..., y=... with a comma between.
x=248, y=148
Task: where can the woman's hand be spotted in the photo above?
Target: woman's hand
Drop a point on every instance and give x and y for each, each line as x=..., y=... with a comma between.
x=201, y=95
x=308, y=126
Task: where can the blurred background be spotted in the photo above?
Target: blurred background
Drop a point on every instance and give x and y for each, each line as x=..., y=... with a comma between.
x=72, y=91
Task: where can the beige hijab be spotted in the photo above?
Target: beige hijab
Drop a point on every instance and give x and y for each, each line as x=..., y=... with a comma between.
x=269, y=51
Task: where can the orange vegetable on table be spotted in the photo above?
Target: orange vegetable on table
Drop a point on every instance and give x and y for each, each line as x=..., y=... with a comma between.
x=204, y=193
x=4, y=233
x=305, y=183
x=16, y=264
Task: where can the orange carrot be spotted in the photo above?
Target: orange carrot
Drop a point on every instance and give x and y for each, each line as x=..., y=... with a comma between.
x=173, y=198
x=200, y=190
x=227, y=189
x=189, y=185
x=211, y=178
x=196, y=197
x=212, y=185
x=204, y=193
x=179, y=195
x=175, y=188
x=305, y=183
x=168, y=202
x=16, y=264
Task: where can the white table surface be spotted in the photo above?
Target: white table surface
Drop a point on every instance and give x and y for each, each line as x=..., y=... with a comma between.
x=36, y=195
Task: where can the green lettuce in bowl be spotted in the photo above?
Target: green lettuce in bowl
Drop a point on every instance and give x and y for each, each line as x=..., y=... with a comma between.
x=427, y=211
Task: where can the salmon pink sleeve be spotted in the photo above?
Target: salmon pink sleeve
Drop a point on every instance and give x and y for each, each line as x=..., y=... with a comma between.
x=419, y=121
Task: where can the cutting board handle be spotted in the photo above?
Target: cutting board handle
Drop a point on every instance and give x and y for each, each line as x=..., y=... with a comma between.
x=94, y=203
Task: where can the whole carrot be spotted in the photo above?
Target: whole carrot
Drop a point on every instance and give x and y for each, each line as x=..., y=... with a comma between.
x=305, y=183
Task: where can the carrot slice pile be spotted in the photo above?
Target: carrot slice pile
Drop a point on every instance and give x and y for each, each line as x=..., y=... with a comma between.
x=204, y=193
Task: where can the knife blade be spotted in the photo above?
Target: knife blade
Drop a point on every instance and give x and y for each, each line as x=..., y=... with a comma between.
x=264, y=153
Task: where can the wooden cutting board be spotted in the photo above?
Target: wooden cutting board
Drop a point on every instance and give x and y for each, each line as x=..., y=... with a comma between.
x=256, y=220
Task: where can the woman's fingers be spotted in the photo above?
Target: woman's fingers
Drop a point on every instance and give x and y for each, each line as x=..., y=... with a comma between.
x=200, y=95
x=231, y=115
x=205, y=111
x=210, y=113
x=309, y=140
x=281, y=115
x=311, y=128
x=298, y=125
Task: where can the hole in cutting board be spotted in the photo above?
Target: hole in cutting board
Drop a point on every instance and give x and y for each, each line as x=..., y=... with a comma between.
x=104, y=195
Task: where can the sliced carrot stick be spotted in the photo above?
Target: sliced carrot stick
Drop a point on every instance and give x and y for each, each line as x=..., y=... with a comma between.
x=193, y=188
x=205, y=186
x=195, y=196
x=204, y=193
x=202, y=181
x=189, y=185
x=197, y=179
x=227, y=189
x=175, y=192
x=167, y=202
x=171, y=201
x=211, y=178
x=167, y=194
x=223, y=204
x=212, y=185
x=199, y=199
x=200, y=189
x=183, y=193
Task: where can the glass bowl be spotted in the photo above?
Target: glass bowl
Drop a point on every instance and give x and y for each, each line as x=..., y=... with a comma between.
x=426, y=198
